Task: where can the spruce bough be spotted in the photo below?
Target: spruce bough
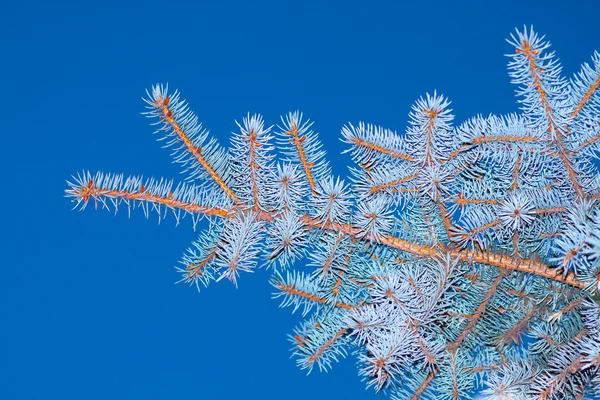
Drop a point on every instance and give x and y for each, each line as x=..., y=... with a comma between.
x=458, y=259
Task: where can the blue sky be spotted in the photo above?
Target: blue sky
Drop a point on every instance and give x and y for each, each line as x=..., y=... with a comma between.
x=88, y=305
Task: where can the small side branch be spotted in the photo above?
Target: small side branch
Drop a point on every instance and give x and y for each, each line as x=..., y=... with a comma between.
x=297, y=141
x=252, y=146
x=531, y=55
x=162, y=105
x=291, y=290
x=481, y=140
x=424, y=385
x=380, y=149
x=586, y=97
x=138, y=192
x=452, y=347
x=315, y=357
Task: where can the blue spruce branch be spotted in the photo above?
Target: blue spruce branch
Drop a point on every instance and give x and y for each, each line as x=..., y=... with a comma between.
x=454, y=259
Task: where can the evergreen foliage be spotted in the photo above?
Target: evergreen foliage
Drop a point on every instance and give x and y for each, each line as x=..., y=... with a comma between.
x=453, y=260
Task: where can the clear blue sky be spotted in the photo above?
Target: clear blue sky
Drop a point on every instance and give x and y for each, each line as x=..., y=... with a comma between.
x=88, y=305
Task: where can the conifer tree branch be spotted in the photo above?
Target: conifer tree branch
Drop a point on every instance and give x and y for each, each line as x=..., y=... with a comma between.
x=93, y=190
x=196, y=268
x=587, y=143
x=297, y=142
x=515, y=177
x=558, y=131
x=315, y=357
x=550, y=210
x=478, y=229
x=587, y=96
x=162, y=105
x=513, y=334
x=505, y=139
x=452, y=347
x=415, y=258
x=479, y=256
x=392, y=185
x=556, y=381
x=357, y=141
x=424, y=385
x=432, y=160
x=291, y=290
x=462, y=201
x=483, y=140
x=326, y=267
x=252, y=146
x=429, y=151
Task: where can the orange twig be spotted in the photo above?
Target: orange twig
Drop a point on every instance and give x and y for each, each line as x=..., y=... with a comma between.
x=514, y=332
x=432, y=114
x=392, y=184
x=588, y=142
x=312, y=359
x=297, y=142
x=572, y=368
x=452, y=347
x=588, y=95
x=329, y=260
x=517, y=139
x=462, y=201
x=195, y=151
x=292, y=291
x=489, y=139
x=480, y=229
x=198, y=267
x=424, y=385
x=550, y=210
x=537, y=81
x=396, y=154
x=252, y=145
x=515, y=176
x=142, y=195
